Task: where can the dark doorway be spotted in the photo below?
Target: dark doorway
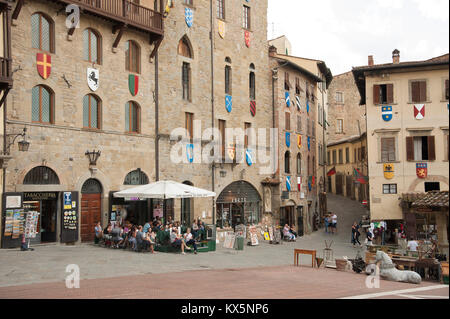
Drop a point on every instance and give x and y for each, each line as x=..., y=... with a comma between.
x=187, y=209
x=48, y=221
x=339, y=184
x=300, y=228
x=429, y=187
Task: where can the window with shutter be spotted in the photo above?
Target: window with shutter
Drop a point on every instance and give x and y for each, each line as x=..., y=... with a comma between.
x=42, y=108
x=376, y=94
x=390, y=93
x=431, y=148
x=387, y=149
x=42, y=32
x=299, y=123
x=446, y=93
x=410, y=149
x=418, y=91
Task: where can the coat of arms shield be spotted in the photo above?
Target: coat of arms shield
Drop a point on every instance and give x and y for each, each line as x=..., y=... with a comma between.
x=288, y=139
x=229, y=103
x=388, y=171
x=93, y=78
x=422, y=170
x=419, y=111
x=44, y=64
x=222, y=29
x=247, y=38
x=386, y=113
x=189, y=16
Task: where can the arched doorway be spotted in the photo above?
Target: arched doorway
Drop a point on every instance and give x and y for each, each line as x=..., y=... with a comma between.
x=239, y=203
x=91, y=208
x=187, y=209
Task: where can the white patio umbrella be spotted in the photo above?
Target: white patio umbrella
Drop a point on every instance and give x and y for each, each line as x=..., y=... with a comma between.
x=164, y=190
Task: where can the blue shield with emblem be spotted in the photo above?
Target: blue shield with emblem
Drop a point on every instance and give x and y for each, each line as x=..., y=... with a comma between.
x=309, y=143
x=288, y=183
x=189, y=15
x=288, y=139
x=249, y=157
x=229, y=103
x=386, y=113
x=288, y=99
x=190, y=152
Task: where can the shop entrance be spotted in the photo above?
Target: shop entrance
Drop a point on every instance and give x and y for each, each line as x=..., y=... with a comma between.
x=46, y=204
x=300, y=230
x=91, y=196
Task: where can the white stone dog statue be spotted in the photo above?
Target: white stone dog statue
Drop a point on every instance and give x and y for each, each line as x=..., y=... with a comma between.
x=389, y=272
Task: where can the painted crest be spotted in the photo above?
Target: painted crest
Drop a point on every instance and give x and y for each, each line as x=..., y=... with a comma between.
x=386, y=113
x=93, y=78
x=419, y=111
x=422, y=170
x=44, y=64
x=190, y=152
x=253, y=108
x=309, y=143
x=310, y=183
x=133, y=84
x=307, y=107
x=288, y=183
x=299, y=183
x=247, y=38
x=229, y=103
x=288, y=99
x=313, y=181
x=231, y=151
x=222, y=29
x=189, y=16
x=297, y=102
x=249, y=157
x=388, y=171
x=288, y=139
x=299, y=141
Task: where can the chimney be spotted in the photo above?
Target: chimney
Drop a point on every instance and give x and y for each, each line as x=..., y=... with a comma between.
x=272, y=51
x=370, y=60
x=396, y=56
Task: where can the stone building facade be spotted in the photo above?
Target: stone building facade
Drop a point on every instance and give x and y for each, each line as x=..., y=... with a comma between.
x=407, y=132
x=346, y=116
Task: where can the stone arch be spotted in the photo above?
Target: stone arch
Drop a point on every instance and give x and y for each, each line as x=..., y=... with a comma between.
x=431, y=178
x=185, y=47
x=145, y=179
x=243, y=187
x=100, y=176
x=28, y=168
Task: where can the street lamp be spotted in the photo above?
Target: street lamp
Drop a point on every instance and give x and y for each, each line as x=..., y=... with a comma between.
x=93, y=157
x=23, y=144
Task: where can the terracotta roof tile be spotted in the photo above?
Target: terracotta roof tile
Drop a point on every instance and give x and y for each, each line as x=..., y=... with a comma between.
x=432, y=199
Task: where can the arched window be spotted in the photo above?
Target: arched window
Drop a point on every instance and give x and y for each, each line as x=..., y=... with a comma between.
x=184, y=48
x=287, y=162
x=228, y=81
x=132, y=57
x=91, y=112
x=132, y=117
x=252, y=82
x=91, y=46
x=42, y=104
x=136, y=177
x=299, y=164
x=42, y=32
x=41, y=175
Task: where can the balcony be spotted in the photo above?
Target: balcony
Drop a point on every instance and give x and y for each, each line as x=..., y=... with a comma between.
x=5, y=73
x=123, y=11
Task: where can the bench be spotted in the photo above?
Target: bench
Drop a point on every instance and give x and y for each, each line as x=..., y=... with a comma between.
x=298, y=252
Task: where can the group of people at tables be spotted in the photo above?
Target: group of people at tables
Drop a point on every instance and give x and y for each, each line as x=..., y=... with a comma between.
x=143, y=238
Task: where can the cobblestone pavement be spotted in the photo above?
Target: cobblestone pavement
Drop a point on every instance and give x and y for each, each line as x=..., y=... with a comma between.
x=48, y=263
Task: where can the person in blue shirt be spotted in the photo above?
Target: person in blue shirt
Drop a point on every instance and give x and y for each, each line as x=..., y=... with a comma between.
x=146, y=227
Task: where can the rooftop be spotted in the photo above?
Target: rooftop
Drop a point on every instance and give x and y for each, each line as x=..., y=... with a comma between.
x=434, y=199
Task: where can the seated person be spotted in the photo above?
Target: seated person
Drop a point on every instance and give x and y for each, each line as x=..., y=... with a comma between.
x=195, y=229
x=292, y=231
x=189, y=239
x=141, y=243
x=116, y=234
x=149, y=240
x=287, y=233
x=107, y=232
x=177, y=242
x=132, y=238
x=98, y=232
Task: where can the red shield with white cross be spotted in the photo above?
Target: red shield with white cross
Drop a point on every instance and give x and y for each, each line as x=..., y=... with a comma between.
x=44, y=64
x=419, y=111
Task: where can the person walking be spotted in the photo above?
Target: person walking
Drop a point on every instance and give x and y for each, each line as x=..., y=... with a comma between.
x=334, y=223
x=355, y=234
x=327, y=223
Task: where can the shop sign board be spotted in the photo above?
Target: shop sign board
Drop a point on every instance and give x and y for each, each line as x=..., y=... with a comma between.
x=13, y=218
x=69, y=218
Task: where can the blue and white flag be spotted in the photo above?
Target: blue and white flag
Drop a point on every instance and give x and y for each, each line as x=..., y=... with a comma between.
x=307, y=106
x=288, y=139
x=288, y=99
x=288, y=183
x=189, y=15
x=249, y=157
x=229, y=103
x=190, y=152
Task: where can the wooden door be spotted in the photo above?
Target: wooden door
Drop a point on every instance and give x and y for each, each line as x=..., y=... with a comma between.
x=339, y=184
x=90, y=215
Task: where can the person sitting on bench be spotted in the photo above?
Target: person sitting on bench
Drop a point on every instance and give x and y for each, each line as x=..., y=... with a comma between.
x=116, y=234
x=189, y=239
x=98, y=232
x=141, y=243
x=177, y=241
x=150, y=240
x=287, y=233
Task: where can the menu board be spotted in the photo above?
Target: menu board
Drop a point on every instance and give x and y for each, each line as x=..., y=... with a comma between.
x=253, y=236
x=31, y=224
x=230, y=238
x=70, y=219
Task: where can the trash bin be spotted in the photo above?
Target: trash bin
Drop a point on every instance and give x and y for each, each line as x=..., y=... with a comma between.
x=212, y=245
x=240, y=243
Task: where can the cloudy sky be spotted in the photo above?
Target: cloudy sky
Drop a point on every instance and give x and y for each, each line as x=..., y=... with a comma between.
x=344, y=32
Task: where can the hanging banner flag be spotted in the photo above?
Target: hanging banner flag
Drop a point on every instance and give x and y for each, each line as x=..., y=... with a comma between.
x=288, y=139
x=133, y=84
x=389, y=171
x=419, y=111
x=386, y=113
x=307, y=107
x=288, y=99
x=313, y=179
x=253, y=108
x=190, y=152
x=249, y=157
x=189, y=16
x=422, y=170
x=288, y=183
x=310, y=183
x=332, y=172
x=44, y=64
x=297, y=101
x=299, y=141
x=299, y=183
x=222, y=29
x=247, y=38
x=229, y=103
x=360, y=177
x=93, y=78
x=309, y=143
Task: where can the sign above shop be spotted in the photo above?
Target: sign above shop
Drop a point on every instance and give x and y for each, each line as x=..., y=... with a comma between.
x=39, y=196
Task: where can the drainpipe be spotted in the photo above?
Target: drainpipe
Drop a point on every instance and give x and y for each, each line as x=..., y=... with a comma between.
x=157, y=116
x=213, y=167
x=324, y=150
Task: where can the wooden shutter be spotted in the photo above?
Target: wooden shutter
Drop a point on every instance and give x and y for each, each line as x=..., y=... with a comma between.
x=410, y=149
x=390, y=93
x=415, y=91
x=288, y=121
x=387, y=150
x=423, y=91
x=431, y=148
x=376, y=94
x=446, y=90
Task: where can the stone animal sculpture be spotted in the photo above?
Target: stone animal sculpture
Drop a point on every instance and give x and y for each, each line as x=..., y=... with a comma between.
x=389, y=272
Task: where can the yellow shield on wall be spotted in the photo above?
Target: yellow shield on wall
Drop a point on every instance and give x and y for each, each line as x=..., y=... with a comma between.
x=389, y=171
x=222, y=29
x=231, y=151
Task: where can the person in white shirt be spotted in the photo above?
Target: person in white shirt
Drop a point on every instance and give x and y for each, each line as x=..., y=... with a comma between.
x=189, y=240
x=287, y=233
x=412, y=245
x=334, y=223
